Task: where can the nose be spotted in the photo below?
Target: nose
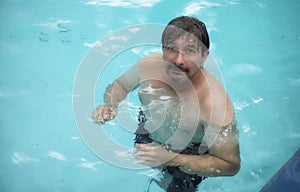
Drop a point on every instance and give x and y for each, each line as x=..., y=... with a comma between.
x=179, y=59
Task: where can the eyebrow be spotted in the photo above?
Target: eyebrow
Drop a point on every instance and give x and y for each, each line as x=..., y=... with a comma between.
x=192, y=46
x=170, y=44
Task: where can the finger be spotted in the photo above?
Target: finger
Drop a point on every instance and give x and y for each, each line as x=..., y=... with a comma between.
x=145, y=148
x=104, y=113
x=99, y=120
x=149, y=148
x=146, y=162
x=108, y=113
x=97, y=115
x=145, y=156
x=140, y=154
x=149, y=162
x=142, y=157
x=140, y=146
x=113, y=112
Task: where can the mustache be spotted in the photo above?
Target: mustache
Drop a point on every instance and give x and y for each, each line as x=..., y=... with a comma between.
x=180, y=67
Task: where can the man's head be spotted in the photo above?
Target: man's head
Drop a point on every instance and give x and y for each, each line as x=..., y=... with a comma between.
x=185, y=47
x=189, y=25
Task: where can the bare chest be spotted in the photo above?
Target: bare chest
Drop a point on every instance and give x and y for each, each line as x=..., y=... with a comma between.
x=171, y=119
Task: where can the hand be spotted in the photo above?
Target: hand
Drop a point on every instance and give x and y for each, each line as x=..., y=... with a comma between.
x=104, y=113
x=153, y=156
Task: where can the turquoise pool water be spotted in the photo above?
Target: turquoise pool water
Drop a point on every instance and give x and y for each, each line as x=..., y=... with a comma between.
x=255, y=44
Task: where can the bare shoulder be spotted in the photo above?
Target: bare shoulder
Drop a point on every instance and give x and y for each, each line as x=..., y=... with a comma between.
x=217, y=102
x=146, y=65
x=152, y=57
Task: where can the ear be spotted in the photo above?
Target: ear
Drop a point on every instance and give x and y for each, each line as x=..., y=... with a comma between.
x=204, y=57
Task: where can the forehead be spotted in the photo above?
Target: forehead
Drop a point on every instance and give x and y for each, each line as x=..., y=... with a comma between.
x=185, y=39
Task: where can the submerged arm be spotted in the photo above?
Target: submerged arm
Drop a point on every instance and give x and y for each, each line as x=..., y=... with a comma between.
x=223, y=158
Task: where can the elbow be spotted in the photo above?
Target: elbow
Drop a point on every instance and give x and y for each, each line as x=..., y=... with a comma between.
x=234, y=169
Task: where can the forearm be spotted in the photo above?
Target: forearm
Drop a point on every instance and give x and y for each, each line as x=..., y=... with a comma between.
x=205, y=165
x=114, y=94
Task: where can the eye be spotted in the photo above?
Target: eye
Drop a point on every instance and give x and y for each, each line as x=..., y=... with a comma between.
x=190, y=51
x=170, y=49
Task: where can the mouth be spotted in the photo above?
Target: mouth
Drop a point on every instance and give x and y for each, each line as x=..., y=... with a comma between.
x=177, y=69
x=177, y=74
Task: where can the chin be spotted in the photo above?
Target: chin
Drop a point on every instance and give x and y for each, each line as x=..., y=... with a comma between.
x=178, y=78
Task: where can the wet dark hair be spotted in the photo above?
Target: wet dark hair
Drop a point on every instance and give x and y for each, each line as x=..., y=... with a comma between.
x=185, y=24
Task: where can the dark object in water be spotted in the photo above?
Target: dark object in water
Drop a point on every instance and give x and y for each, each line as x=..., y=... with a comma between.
x=287, y=178
x=184, y=182
x=142, y=135
x=181, y=182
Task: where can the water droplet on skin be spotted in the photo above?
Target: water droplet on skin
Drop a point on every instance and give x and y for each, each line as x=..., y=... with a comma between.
x=212, y=169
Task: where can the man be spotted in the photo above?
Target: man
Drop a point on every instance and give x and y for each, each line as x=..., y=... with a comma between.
x=188, y=108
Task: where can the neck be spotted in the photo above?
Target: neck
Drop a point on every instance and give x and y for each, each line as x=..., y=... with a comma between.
x=198, y=78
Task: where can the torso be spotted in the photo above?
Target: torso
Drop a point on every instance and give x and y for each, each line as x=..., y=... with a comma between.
x=174, y=117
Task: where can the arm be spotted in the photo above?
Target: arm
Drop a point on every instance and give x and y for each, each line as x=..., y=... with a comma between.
x=127, y=82
x=223, y=158
x=115, y=93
